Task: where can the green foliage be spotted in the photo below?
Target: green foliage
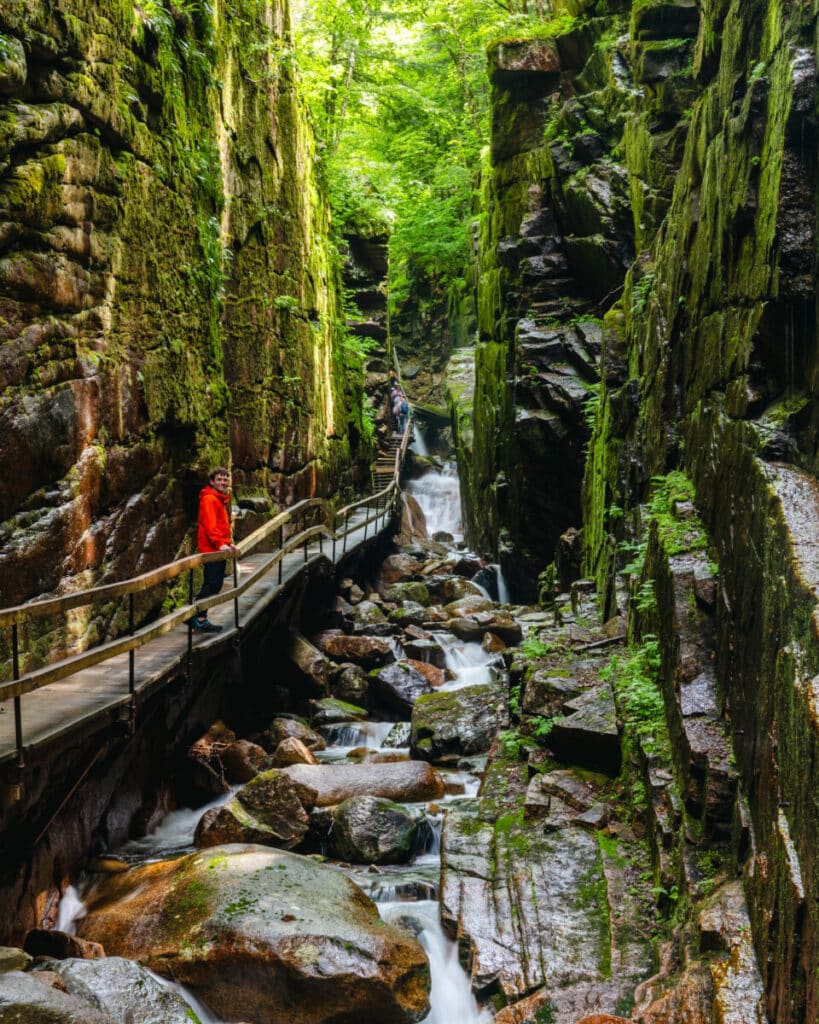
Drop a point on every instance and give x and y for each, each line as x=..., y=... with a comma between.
x=400, y=99
x=639, y=700
x=532, y=648
x=591, y=404
x=545, y=1014
x=512, y=745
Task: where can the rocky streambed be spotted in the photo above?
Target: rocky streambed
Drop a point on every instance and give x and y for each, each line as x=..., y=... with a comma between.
x=470, y=826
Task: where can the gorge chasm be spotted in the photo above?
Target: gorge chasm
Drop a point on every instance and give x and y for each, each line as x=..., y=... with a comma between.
x=580, y=708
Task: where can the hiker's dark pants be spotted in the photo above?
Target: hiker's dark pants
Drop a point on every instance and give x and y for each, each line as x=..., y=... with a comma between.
x=214, y=578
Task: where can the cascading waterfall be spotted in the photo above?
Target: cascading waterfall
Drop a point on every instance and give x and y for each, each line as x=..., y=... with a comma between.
x=419, y=444
x=439, y=495
x=404, y=893
x=451, y=997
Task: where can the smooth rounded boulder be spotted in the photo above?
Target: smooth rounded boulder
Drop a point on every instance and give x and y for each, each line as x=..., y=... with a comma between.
x=371, y=830
x=404, y=781
x=124, y=990
x=24, y=1000
x=263, y=935
x=272, y=809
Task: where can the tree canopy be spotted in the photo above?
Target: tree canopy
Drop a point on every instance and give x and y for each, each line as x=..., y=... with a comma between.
x=400, y=98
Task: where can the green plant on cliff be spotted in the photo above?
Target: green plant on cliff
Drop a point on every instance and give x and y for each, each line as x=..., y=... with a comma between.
x=635, y=680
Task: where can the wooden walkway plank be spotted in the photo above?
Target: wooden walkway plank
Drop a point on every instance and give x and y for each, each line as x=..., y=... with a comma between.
x=100, y=694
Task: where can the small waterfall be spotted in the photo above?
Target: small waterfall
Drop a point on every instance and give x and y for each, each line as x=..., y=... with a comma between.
x=503, y=588
x=202, y=1012
x=346, y=736
x=71, y=910
x=451, y=996
x=174, y=834
x=439, y=495
x=468, y=661
x=428, y=840
x=419, y=443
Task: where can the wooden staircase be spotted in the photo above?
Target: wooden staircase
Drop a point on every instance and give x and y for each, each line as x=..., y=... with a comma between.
x=385, y=463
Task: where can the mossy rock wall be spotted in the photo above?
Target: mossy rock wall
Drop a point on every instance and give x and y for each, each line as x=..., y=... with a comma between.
x=168, y=285
x=702, y=121
x=709, y=363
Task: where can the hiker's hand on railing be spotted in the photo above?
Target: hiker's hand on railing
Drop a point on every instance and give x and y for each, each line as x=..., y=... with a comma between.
x=230, y=547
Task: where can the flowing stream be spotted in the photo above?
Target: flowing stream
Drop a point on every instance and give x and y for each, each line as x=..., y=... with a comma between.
x=407, y=894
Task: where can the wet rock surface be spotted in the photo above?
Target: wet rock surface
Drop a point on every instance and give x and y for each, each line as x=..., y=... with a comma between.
x=25, y=1000
x=446, y=726
x=371, y=830
x=405, y=782
x=123, y=990
x=272, y=809
x=263, y=934
x=395, y=689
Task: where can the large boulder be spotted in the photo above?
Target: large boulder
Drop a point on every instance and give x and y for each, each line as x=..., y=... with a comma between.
x=282, y=728
x=272, y=810
x=372, y=830
x=395, y=688
x=406, y=782
x=473, y=626
x=413, y=591
x=242, y=760
x=410, y=613
x=332, y=711
x=369, y=620
x=24, y=1000
x=396, y=568
x=263, y=935
x=367, y=651
x=124, y=990
x=454, y=723
x=292, y=751
x=469, y=605
x=589, y=735
x=350, y=684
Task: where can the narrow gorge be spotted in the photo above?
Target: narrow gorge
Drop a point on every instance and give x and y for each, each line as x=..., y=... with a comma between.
x=509, y=717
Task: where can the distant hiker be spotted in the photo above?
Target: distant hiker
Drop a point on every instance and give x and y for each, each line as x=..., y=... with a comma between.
x=394, y=383
x=213, y=534
x=400, y=410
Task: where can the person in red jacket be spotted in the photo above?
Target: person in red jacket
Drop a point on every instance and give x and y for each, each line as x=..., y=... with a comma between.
x=213, y=534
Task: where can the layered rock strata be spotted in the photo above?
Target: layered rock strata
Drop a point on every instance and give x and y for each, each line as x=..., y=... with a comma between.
x=169, y=295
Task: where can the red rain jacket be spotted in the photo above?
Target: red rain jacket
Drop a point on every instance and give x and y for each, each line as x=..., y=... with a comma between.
x=214, y=520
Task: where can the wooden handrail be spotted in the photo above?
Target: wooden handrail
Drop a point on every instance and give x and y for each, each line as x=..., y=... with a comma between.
x=18, y=614
x=36, y=609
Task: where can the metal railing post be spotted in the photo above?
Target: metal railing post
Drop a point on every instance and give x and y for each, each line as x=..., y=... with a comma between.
x=235, y=587
x=190, y=624
x=131, y=670
x=335, y=531
x=281, y=550
x=346, y=524
x=18, y=712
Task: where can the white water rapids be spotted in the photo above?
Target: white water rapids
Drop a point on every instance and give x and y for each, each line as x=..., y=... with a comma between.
x=406, y=895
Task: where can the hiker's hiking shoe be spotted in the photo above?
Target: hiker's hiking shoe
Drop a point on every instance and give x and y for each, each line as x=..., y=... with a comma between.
x=206, y=626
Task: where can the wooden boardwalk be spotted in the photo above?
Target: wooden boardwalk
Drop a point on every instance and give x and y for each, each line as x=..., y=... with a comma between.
x=96, y=696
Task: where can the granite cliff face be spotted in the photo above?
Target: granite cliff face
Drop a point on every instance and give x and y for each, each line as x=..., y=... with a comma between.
x=168, y=284
x=652, y=191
